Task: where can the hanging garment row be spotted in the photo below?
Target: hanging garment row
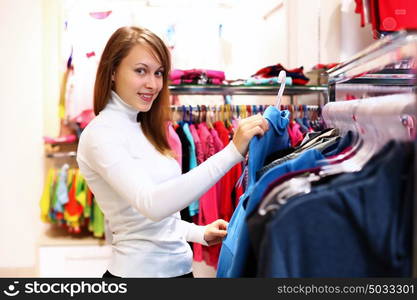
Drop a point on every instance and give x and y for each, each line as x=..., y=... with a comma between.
x=194, y=142
x=303, y=118
x=68, y=202
x=338, y=205
x=202, y=131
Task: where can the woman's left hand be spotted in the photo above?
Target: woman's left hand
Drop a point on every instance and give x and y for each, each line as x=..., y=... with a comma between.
x=215, y=232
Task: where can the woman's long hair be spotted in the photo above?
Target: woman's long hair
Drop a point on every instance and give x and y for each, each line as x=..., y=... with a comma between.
x=154, y=121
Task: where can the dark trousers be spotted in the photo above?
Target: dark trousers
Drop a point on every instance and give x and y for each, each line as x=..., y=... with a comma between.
x=110, y=275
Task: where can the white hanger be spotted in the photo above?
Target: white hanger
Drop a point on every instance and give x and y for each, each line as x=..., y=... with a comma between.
x=378, y=120
x=282, y=78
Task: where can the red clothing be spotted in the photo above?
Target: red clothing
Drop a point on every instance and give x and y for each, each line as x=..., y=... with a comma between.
x=359, y=10
x=395, y=15
x=72, y=207
x=208, y=204
x=230, y=193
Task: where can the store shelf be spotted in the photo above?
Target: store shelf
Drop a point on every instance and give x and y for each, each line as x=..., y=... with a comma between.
x=387, y=77
x=387, y=62
x=62, y=154
x=244, y=90
x=56, y=236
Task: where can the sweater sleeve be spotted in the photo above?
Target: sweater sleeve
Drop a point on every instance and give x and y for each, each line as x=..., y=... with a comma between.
x=193, y=233
x=126, y=175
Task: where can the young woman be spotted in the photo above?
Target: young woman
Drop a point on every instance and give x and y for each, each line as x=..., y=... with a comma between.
x=125, y=157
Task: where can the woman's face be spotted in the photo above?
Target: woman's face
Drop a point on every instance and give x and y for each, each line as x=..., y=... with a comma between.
x=139, y=78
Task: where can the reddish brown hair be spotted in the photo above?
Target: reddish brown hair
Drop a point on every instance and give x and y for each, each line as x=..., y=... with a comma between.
x=154, y=121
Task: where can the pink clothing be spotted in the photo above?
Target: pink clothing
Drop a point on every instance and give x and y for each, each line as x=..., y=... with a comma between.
x=218, y=144
x=84, y=118
x=174, y=142
x=198, y=150
x=208, y=209
x=296, y=136
x=207, y=141
x=193, y=73
x=215, y=81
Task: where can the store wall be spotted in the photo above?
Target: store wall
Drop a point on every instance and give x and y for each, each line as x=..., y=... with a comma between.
x=313, y=32
x=21, y=125
x=353, y=37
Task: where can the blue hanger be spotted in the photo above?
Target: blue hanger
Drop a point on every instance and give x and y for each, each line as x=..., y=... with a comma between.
x=191, y=114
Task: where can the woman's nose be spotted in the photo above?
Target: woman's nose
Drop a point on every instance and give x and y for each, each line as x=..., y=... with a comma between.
x=151, y=82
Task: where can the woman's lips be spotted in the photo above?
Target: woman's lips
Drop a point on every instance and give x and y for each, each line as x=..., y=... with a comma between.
x=146, y=97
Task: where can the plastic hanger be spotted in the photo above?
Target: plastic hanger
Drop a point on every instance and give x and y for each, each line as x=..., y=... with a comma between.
x=198, y=114
x=279, y=195
x=371, y=118
x=190, y=114
x=282, y=78
x=183, y=109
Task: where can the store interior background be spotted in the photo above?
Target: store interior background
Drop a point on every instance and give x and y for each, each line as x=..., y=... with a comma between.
x=256, y=34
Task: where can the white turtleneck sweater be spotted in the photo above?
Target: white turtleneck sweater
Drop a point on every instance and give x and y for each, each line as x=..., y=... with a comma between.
x=141, y=192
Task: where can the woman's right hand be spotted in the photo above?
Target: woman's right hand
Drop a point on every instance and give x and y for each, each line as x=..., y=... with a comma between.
x=247, y=129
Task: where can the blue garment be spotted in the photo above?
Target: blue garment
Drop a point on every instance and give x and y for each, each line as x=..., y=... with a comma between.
x=269, y=81
x=62, y=189
x=193, y=207
x=241, y=266
x=359, y=225
x=305, y=122
x=276, y=138
x=303, y=128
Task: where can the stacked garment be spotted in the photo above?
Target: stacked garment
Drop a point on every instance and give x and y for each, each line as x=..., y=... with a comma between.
x=198, y=142
x=68, y=202
x=318, y=75
x=297, y=76
x=196, y=76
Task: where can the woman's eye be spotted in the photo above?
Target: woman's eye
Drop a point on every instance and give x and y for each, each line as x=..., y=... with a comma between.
x=159, y=73
x=140, y=71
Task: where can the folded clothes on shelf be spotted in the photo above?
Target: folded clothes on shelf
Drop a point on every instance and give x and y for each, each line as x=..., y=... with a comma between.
x=318, y=75
x=266, y=81
x=297, y=75
x=196, y=76
x=197, y=81
x=66, y=139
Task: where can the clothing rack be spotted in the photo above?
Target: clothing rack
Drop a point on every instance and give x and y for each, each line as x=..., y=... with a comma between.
x=387, y=67
x=244, y=90
x=62, y=154
x=214, y=108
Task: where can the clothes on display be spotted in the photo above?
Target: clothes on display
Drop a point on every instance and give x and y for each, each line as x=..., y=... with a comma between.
x=199, y=141
x=196, y=76
x=68, y=202
x=387, y=16
x=86, y=33
x=297, y=74
x=355, y=201
x=201, y=137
